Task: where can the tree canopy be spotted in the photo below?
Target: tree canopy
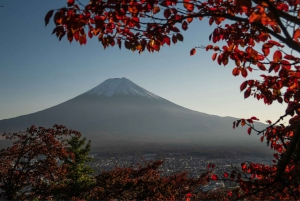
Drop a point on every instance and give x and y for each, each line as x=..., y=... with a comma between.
x=255, y=35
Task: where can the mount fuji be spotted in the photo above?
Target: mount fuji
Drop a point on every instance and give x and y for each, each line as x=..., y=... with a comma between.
x=118, y=115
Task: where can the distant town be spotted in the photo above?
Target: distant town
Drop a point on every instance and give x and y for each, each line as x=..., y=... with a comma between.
x=174, y=162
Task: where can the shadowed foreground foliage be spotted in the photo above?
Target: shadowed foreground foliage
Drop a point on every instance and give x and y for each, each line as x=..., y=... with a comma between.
x=52, y=164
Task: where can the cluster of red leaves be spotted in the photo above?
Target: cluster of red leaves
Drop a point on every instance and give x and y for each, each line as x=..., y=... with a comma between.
x=280, y=82
x=30, y=165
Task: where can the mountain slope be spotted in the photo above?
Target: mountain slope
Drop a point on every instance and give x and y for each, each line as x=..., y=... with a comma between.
x=119, y=113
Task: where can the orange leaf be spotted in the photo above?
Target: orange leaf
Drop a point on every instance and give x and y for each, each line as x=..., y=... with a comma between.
x=156, y=9
x=189, y=19
x=254, y=17
x=193, y=51
x=189, y=6
x=296, y=34
x=277, y=56
x=243, y=122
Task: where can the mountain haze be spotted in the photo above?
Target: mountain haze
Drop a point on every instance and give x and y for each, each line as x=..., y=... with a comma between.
x=118, y=113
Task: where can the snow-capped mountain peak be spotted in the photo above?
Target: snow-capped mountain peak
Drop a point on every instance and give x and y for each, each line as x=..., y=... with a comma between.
x=120, y=86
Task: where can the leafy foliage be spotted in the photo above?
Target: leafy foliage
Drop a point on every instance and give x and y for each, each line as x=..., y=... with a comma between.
x=49, y=164
x=30, y=166
x=257, y=35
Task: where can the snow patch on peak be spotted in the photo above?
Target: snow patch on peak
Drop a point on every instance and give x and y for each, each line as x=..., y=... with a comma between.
x=120, y=86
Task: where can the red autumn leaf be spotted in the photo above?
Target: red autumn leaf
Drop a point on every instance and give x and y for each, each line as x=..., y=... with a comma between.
x=214, y=56
x=277, y=56
x=184, y=25
x=262, y=138
x=174, y=39
x=167, y=40
x=70, y=2
x=273, y=42
x=249, y=130
x=189, y=195
x=243, y=85
x=90, y=34
x=250, y=121
x=175, y=29
x=235, y=71
x=216, y=48
x=188, y=5
x=179, y=37
x=296, y=35
x=208, y=47
x=244, y=166
x=254, y=118
x=269, y=122
x=211, y=20
x=167, y=13
x=225, y=174
x=261, y=66
x=48, y=16
x=247, y=93
x=244, y=72
x=70, y=36
x=279, y=99
x=229, y=193
x=214, y=177
x=192, y=52
x=266, y=50
x=290, y=57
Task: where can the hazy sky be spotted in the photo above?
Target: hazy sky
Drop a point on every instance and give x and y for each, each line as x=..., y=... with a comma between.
x=37, y=71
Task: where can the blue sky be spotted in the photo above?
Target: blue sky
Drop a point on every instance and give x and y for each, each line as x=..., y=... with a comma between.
x=37, y=71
